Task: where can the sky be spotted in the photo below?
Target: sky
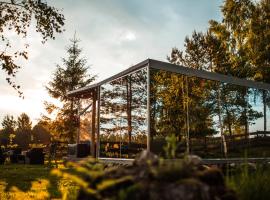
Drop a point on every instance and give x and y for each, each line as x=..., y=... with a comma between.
x=114, y=35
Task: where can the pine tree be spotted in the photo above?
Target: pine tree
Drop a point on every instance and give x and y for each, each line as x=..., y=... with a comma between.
x=70, y=75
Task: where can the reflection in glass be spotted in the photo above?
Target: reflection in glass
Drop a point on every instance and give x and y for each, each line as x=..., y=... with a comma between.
x=204, y=111
x=123, y=116
x=85, y=119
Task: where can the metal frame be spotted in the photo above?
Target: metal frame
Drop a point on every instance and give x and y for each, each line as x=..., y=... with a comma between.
x=148, y=110
x=207, y=75
x=98, y=123
x=155, y=64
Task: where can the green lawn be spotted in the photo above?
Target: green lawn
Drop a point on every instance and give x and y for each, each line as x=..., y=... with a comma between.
x=18, y=181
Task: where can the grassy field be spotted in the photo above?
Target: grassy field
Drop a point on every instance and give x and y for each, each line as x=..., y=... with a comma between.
x=18, y=181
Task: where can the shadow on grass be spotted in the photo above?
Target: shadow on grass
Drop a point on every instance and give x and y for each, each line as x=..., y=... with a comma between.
x=31, y=179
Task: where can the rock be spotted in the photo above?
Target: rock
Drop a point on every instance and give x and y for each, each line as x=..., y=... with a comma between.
x=148, y=178
x=188, y=189
x=194, y=160
x=212, y=176
x=146, y=158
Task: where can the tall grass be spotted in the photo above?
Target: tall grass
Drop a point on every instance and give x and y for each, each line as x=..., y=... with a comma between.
x=250, y=183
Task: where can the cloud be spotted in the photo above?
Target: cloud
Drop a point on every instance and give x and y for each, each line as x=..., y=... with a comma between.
x=114, y=35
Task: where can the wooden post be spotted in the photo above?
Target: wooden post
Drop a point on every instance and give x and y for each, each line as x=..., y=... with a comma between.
x=93, y=131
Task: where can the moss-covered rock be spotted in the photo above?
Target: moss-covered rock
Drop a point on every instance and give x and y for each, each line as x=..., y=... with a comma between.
x=150, y=178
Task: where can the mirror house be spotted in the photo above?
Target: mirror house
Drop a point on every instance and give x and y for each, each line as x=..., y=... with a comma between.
x=156, y=106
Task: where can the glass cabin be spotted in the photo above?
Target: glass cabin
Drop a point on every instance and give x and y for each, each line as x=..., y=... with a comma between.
x=160, y=106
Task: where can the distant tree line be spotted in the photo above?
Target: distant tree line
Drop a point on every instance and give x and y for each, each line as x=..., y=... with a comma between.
x=20, y=132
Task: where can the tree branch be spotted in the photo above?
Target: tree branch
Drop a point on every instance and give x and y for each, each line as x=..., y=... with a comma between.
x=12, y=4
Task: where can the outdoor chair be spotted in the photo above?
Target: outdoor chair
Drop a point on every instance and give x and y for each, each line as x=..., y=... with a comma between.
x=16, y=156
x=83, y=150
x=36, y=156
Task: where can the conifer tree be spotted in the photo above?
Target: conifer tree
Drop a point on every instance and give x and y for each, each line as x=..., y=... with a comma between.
x=70, y=75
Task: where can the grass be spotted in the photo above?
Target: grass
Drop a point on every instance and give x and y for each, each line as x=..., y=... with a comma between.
x=18, y=181
x=250, y=184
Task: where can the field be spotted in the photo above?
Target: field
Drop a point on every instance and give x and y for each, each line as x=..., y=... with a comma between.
x=33, y=182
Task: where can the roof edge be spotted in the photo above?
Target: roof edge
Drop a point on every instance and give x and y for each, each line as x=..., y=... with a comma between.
x=118, y=75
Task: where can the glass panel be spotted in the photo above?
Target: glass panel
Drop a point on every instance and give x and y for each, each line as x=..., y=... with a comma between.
x=123, y=116
x=204, y=110
x=85, y=120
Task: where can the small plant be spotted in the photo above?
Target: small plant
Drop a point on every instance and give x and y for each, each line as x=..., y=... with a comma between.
x=171, y=146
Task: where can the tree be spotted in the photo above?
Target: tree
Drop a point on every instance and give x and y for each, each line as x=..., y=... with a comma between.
x=258, y=41
x=17, y=16
x=24, y=131
x=70, y=75
x=237, y=46
x=8, y=131
x=123, y=106
x=41, y=133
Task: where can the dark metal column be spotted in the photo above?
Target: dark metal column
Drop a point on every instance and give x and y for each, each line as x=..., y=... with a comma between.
x=148, y=109
x=93, y=131
x=98, y=122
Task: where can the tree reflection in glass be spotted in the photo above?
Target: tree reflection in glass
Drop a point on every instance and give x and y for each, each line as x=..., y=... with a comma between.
x=123, y=116
x=202, y=110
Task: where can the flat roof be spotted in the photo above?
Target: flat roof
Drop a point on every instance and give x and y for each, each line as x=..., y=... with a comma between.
x=155, y=64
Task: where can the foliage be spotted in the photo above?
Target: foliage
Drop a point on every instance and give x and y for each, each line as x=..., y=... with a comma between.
x=236, y=46
x=123, y=106
x=6, y=134
x=171, y=146
x=177, y=99
x=41, y=134
x=71, y=75
x=17, y=16
x=250, y=183
x=23, y=134
x=146, y=179
x=19, y=133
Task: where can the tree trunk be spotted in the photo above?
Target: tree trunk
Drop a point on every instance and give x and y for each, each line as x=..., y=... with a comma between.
x=246, y=115
x=264, y=113
x=229, y=121
x=223, y=140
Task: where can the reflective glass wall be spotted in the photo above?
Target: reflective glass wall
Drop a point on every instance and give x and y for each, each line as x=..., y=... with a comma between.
x=123, y=112
x=85, y=120
x=216, y=117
